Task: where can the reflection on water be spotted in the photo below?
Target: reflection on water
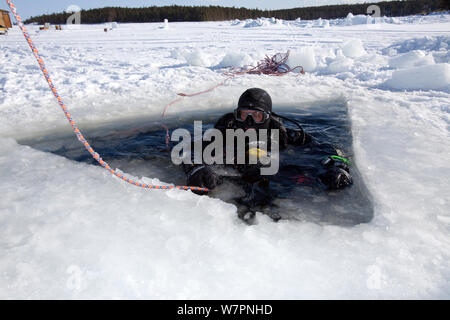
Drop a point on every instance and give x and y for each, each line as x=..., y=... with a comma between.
x=138, y=148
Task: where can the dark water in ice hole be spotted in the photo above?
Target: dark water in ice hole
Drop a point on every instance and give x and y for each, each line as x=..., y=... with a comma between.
x=138, y=148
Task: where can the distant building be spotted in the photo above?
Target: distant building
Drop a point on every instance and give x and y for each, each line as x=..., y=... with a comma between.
x=5, y=21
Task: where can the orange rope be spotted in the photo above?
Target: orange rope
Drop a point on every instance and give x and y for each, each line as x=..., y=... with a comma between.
x=75, y=129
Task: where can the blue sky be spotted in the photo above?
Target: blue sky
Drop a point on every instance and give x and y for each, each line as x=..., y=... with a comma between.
x=27, y=8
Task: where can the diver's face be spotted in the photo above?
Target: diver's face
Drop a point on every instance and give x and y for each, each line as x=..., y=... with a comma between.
x=258, y=116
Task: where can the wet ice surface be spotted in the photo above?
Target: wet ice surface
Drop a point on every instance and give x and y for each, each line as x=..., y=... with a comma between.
x=138, y=148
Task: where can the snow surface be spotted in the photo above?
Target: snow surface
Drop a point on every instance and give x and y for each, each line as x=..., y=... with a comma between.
x=70, y=230
x=413, y=58
x=353, y=49
x=436, y=76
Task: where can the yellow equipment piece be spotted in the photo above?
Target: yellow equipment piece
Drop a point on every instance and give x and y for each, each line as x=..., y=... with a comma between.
x=257, y=152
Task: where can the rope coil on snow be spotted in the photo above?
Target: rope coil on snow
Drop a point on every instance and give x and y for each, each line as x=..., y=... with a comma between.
x=75, y=129
x=272, y=66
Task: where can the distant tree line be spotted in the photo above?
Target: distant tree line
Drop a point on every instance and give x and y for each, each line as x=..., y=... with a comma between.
x=215, y=13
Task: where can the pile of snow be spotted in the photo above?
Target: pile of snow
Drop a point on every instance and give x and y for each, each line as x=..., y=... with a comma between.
x=302, y=57
x=166, y=24
x=438, y=46
x=430, y=77
x=235, y=60
x=197, y=58
x=236, y=22
x=441, y=13
x=361, y=19
x=178, y=53
x=192, y=56
x=428, y=43
x=331, y=61
x=351, y=20
x=321, y=23
x=263, y=22
x=353, y=49
x=414, y=58
x=340, y=64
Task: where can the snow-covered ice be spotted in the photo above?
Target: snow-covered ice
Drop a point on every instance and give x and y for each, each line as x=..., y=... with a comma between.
x=70, y=230
x=436, y=76
x=236, y=60
x=304, y=57
x=413, y=58
x=353, y=49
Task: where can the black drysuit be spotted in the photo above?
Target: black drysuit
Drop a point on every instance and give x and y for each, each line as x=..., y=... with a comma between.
x=332, y=174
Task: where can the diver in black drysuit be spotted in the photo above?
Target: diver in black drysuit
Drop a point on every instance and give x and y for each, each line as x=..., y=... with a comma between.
x=255, y=112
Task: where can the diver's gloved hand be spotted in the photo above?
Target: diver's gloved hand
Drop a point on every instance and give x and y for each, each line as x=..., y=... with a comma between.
x=336, y=178
x=297, y=137
x=337, y=175
x=202, y=177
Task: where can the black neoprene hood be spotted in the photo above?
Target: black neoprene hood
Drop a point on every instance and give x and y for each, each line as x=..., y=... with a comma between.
x=256, y=98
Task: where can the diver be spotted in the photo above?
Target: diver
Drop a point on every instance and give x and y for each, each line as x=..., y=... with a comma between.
x=254, y=111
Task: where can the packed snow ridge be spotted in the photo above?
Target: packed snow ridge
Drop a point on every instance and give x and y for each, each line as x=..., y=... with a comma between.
x=70, y=230
x=350, y=20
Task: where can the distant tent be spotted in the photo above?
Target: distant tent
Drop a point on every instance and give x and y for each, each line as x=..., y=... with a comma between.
x=5, y=21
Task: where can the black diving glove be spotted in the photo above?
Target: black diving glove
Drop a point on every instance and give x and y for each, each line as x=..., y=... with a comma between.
x=202, y=177
x=336, y=178
x=297, y=138
x=337, y=175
